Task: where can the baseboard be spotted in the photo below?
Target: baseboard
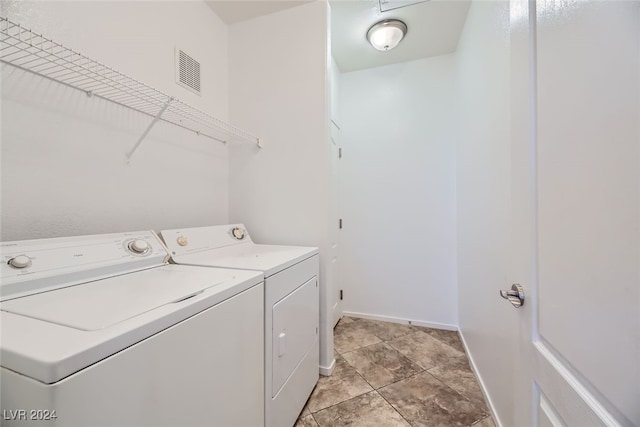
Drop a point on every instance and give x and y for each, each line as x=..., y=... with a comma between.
x=424, y=323
x=327, y=371
x=487, y=398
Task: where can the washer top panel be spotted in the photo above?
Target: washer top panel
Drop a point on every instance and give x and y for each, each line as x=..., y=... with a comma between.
x=33, y=266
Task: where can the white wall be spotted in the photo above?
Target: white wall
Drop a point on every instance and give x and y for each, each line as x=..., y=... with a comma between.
x=334, y=98
x=278, y=90
x=63, y=154
x=488, y=324
x=398, y=257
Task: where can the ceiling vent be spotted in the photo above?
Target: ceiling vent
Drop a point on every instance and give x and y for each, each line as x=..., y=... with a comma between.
x=187, y=71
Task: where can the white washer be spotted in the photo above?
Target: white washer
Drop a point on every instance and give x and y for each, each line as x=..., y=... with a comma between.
x=101, y=331
x=291, y=307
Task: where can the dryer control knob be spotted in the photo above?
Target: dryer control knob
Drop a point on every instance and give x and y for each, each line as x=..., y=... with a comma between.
x=183, y=241
x=20, y=261
x=138, y=246
x=238, y=233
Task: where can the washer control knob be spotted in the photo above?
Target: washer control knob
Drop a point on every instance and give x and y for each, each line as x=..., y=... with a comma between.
x=138, y=246
x=183, y=241
x=20, y=261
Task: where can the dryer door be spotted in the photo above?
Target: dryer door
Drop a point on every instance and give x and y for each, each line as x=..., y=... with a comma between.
x=295, y=329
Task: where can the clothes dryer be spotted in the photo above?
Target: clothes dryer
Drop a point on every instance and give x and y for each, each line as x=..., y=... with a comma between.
x=291, y=307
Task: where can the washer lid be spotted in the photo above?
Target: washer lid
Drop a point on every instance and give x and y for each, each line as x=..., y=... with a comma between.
x=269, y=259
x=105, y=303
x=220, y=246
x=52, y=335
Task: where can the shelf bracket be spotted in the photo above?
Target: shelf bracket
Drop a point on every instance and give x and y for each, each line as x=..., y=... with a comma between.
x=148, y=129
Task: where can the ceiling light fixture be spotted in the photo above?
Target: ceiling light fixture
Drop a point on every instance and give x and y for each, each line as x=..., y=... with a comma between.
x=385, y=35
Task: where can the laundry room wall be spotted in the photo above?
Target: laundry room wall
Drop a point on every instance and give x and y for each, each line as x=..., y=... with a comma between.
x=278, y=89
x=64, y=170
x=398, y=257
x=487, y=323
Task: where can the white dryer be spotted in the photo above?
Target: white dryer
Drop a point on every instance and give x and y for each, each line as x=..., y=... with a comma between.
x=291, y=307
x=101, y=331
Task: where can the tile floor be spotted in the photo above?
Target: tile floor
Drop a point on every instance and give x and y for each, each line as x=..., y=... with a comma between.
x=388, y=375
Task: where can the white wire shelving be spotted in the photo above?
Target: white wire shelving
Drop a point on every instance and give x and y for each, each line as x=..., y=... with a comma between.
x=30, y=51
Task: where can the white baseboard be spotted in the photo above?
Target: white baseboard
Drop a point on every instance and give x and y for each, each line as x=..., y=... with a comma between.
x=327, y=371
x=424, y=323
x=487, y=398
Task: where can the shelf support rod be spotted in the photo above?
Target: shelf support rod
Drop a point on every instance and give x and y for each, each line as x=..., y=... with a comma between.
x=148, y=129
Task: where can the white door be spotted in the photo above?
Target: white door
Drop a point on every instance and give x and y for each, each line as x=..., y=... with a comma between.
x=576, y=209
x=336, y=222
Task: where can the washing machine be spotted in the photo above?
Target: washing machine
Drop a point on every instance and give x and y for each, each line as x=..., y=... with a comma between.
x=291, y=307
x=101, y=331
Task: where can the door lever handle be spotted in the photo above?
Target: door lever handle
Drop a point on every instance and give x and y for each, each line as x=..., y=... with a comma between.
x=515, y=295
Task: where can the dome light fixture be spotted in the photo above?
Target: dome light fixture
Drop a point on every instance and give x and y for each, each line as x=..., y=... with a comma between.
x=385, y=35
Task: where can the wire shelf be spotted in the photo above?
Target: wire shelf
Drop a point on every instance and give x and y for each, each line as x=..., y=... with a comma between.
x=30, y=51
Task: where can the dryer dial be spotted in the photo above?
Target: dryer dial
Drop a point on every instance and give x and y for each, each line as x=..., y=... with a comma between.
x=20, y=261
x=238, y=233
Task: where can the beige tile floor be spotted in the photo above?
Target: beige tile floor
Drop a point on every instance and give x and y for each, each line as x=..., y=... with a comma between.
x=388, y=374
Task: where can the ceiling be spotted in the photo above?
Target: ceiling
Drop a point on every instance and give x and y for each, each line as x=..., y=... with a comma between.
x=232, y=11
x=434, y=26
